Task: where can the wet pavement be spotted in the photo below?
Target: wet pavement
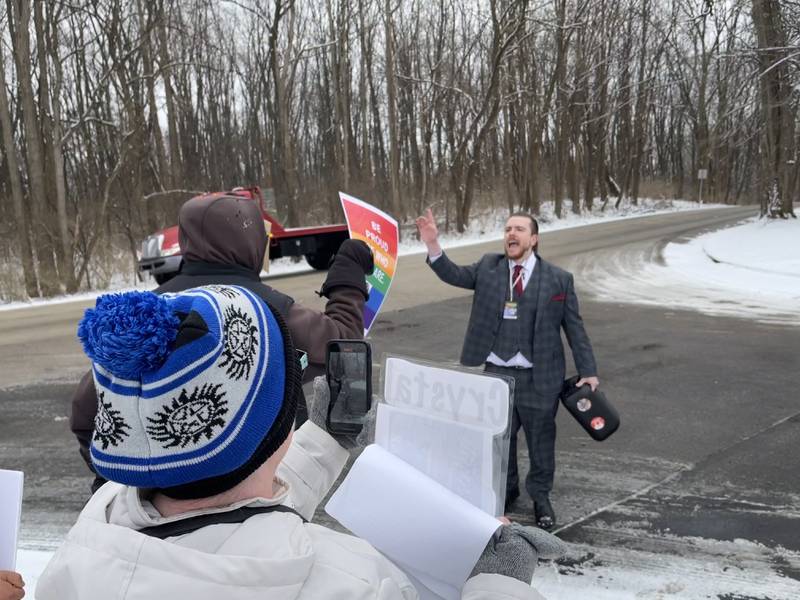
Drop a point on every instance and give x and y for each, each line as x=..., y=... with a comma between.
x=698, y=490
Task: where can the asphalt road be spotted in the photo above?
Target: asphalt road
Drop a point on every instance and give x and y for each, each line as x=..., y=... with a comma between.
x=707, y=449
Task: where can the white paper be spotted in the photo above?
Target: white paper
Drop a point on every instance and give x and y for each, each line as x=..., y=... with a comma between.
x=471, y=398
x=10, y=513
x=411, y=518
x=458, y=456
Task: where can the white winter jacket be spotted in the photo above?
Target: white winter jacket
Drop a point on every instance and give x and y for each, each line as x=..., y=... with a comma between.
x=271, y=556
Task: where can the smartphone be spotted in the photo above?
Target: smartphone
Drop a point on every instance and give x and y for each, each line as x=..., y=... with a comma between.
x=348, y=370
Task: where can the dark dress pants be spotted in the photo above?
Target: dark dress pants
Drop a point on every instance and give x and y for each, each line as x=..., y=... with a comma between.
x=536, y=415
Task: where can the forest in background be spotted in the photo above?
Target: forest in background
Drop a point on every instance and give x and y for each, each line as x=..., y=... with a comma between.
x=112, y=112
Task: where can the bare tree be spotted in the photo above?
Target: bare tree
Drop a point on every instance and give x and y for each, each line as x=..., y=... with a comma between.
x=37, y=177
x=391, y=98
x=507, y=26
x=20, y=212
x=778, y=137
x=459, y=104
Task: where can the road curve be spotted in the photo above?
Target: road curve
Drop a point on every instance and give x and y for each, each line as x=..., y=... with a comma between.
x=39, y=343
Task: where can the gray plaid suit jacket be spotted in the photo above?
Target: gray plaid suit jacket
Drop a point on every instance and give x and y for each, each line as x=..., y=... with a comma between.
x=556, y=308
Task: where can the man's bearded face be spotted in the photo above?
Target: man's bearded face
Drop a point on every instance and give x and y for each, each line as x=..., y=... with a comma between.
x=519, y=239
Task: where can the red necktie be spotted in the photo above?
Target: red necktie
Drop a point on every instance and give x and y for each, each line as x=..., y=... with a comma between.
x=518, y=289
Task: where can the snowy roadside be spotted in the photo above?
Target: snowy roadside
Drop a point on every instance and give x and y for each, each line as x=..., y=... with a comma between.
x=750, y=270
x=738, y=569
x=483, y=227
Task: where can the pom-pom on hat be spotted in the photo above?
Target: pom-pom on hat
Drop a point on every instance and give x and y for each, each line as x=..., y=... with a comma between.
x=195, y=390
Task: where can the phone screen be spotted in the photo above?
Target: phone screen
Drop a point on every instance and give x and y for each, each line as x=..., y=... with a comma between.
x=349, y=374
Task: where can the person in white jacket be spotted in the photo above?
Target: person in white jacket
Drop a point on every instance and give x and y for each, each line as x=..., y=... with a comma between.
x=210, y=489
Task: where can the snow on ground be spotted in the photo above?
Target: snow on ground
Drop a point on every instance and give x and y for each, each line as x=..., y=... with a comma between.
x=147, y=284
x=484, y=226
x=750, y=270
x=30, y=564
x=705, y=569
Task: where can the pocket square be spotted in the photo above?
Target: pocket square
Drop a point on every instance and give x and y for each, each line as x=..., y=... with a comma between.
x=558, y=298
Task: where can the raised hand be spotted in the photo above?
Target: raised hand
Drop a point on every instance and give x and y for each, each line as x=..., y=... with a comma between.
x=426, y=225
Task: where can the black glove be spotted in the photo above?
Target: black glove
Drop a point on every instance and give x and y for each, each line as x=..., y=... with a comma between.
x=352, y=262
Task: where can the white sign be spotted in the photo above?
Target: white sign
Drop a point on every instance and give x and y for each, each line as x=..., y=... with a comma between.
x=433, y=534
x=456, y=455
x=480, y=400
x=10, y=513
x=702, y=174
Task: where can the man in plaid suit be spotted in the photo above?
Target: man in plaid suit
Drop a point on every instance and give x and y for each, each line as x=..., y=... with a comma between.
x=520, y=305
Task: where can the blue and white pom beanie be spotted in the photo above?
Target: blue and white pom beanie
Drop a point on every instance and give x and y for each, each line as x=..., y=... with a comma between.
x=195, y=390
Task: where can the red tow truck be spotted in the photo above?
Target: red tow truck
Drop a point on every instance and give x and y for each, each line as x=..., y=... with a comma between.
x=161, y=254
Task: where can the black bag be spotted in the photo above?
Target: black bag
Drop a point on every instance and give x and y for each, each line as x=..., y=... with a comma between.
x=591, y=409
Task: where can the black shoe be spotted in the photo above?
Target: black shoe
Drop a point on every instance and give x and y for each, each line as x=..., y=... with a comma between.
x=511, y=497
x=543, y=511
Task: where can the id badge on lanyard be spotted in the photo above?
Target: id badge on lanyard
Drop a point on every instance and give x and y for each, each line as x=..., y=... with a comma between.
x=510, y=307
x=510, y=310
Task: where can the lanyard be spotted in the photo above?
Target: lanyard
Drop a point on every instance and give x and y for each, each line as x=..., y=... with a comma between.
x=514, y=282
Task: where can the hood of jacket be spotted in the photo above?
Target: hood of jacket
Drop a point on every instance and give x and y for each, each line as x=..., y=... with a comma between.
x=224, y=230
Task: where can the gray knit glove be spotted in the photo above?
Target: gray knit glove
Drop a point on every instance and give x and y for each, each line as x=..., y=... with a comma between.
x=318, y=414
x=514, y=550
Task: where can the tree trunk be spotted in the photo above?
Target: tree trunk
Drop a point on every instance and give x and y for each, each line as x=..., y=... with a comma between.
x=367, y=168
x=20, y=212
x=287, y=168
x=48, y=273
x=161, y=175
x=777, y=139
x=623, y=146
x=640, y=119
x=391, y=93
x=338, y=31
x=560, y=137
x=174, y=177
x=465, y=163
x=66, y=254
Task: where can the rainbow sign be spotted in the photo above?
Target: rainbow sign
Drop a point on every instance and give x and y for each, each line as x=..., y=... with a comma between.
x=380, y=232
